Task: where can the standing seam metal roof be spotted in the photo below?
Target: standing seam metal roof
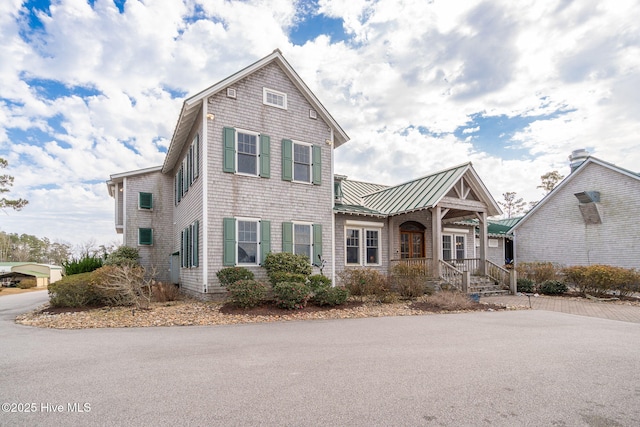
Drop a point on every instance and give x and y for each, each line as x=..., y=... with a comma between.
x=420, y=193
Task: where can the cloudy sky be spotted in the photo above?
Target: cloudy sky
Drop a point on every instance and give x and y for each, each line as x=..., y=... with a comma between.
x=89, y=88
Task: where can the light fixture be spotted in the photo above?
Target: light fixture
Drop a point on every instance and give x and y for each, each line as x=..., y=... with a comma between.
x=211, y=116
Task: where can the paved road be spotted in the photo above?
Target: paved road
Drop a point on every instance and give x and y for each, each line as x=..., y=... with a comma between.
x=518, y=368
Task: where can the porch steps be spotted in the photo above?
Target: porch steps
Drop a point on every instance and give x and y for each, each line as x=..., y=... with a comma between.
x=484, y=286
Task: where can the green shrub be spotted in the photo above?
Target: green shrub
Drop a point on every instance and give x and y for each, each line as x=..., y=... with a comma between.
x=124, y=255
x=526, y=285
x=74, y=291
x=552, y=287
x=318, y=281
x=282, y=276
x=328, y=295
x=287, y=262
x=291, y=295
x=27, y=283
x=86, y=264
x=364, y=281
x=230, y=275
x=246, y=293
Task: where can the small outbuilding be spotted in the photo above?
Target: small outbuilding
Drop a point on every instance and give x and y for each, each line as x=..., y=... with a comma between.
x=45, y=274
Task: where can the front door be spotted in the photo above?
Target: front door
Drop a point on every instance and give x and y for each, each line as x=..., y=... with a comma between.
x=411, y=240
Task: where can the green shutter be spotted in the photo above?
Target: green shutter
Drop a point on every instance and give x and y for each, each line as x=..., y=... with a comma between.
x=195, y=238
x=317, y=165
x=317, y=243
x=196, y=159
x=287, y=237
x=145, y=236
x=287, y=160
x=229, y=138
x=182, y=263
x=265, y=156
x=145, y=201
x=265, y=239
x=229, y=238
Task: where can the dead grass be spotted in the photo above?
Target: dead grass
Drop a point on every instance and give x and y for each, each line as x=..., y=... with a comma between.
x=450, y=301
x=14, y=291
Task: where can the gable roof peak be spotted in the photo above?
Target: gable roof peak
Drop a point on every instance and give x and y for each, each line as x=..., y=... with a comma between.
x=191, y=107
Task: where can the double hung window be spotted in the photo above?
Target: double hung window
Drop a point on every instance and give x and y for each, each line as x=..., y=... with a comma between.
x=247, y=241
x=362, y=244
x=301, y=162
x=246, y=152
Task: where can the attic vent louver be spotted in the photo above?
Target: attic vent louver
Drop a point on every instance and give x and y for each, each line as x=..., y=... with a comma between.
x=231, y=93
x=589, y=206
x=313, y=114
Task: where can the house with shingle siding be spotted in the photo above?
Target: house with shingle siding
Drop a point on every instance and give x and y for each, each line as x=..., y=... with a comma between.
x=250, y=170
x=585, y=220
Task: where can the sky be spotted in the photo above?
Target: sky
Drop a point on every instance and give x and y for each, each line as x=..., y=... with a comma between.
x=91, y=88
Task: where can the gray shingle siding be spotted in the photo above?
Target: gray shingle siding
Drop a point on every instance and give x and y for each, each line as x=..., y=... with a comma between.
x=556, y=231
x=188, y=210
x=156, y=257
x=272, y=199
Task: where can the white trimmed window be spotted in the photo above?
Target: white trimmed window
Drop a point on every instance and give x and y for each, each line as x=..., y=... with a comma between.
x=247, y=151
x=301, y=162
x=247, y=242
x=302, y=240
x=362, y=243
x=274, y=98
x=453, y=246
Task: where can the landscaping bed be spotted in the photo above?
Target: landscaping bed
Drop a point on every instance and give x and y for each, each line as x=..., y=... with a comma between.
x=192, y=312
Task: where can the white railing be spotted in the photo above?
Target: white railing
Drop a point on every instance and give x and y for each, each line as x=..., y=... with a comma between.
x=451, y=275
x=497, y=273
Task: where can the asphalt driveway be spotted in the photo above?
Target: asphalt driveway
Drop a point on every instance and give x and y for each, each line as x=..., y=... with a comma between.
x=502, y=368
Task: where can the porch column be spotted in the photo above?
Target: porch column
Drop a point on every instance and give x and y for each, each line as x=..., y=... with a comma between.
x=436, y=240
x=482, y=219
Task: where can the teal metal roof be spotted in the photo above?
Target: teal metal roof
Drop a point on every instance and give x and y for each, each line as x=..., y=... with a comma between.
x=357, y=210
x=495, y=227
x=507, y=222
x=414, y=195
x=353, y=191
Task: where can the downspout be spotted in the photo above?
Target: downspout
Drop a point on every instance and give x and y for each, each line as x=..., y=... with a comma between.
x=205, y=207
x=124, y=213
x=333, y=213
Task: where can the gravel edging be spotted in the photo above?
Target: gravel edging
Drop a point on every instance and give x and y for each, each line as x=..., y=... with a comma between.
x=192, y=313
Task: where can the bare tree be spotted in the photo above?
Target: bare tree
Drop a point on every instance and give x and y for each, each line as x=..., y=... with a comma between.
x=549, y=180
x=512, y=205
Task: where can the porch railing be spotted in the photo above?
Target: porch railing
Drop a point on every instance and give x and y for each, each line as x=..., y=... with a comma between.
x=471, y=265
x=410, y=266
x=451, y=275
x=499, y=274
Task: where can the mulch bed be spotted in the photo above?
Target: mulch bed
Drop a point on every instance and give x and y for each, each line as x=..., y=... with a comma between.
x=270, y=309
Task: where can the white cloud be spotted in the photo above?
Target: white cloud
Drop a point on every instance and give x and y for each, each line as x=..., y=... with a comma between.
x=408, y=67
